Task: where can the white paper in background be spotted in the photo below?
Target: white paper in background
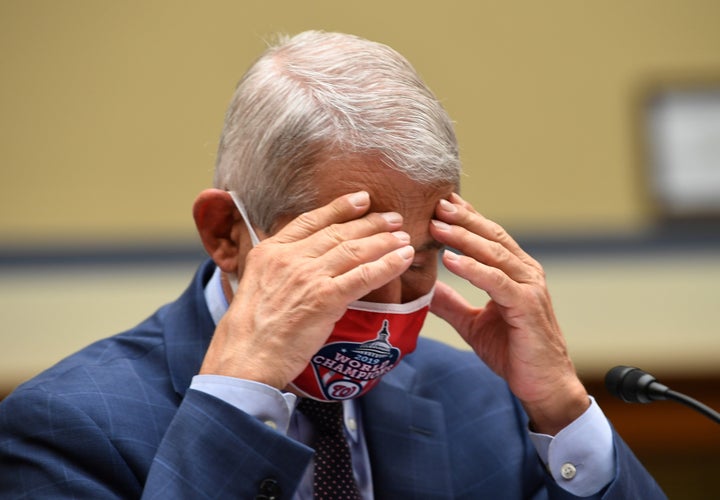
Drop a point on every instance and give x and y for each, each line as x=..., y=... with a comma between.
x=684, y=135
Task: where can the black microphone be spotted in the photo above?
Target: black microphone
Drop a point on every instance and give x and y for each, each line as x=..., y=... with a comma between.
x=633, y=385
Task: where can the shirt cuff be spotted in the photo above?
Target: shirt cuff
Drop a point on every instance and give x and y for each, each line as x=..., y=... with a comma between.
x=581, y=457
x=261, y=401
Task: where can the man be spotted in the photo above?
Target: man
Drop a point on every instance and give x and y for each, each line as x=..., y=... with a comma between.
x=336, y=191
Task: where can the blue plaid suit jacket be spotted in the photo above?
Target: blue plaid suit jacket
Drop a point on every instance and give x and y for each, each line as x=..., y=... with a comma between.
x=117, y=420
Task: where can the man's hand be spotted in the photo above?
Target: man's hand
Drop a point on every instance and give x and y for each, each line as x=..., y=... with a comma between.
x=516, y=333
x=297, y=283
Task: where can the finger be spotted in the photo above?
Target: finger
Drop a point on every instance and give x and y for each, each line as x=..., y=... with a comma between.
x=459, y=212
x=483, y=250
x=342, y=209
x=459, y=200
x=363, y=279
x=345, y=233
x=452, y=307
x=498, y=285
x=353, y=253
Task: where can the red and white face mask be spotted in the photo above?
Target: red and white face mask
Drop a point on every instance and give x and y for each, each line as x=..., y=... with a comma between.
x=367, y=342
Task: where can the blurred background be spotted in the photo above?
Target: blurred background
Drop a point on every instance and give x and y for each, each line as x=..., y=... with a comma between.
x=590, y=130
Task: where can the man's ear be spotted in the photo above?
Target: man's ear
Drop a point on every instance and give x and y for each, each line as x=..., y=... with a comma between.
x=220, y=226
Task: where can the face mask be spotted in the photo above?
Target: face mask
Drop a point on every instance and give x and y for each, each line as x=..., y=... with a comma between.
x=366, y=343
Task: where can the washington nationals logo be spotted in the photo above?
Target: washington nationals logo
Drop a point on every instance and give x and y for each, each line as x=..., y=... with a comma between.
x=343, y=369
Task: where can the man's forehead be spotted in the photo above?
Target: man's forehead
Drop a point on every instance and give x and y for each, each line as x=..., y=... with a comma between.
x=390, y=190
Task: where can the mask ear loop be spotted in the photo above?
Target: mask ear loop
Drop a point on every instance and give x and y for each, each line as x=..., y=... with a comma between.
x=241, y=207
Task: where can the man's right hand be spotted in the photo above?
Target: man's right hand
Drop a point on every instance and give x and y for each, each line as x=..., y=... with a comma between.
x=297, y=284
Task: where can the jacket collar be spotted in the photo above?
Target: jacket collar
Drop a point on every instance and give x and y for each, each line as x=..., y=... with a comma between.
x=188, y=330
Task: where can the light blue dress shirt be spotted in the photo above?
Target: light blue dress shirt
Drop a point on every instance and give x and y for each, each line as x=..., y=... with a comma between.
x=581, y=457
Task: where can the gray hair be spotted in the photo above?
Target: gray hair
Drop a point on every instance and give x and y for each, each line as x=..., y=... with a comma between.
x=320, y=96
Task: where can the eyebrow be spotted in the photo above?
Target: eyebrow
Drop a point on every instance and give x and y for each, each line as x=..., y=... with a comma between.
x=430, y=245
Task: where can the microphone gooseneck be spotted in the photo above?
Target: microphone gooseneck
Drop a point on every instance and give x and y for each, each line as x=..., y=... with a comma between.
x=634, y=385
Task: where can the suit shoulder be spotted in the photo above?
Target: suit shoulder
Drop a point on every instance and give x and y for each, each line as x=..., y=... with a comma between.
x=111, y=362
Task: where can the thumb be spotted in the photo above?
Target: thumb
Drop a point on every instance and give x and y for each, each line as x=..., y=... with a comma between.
x=449, y=305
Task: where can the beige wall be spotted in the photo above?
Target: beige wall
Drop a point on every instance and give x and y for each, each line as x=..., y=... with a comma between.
x=110, y=114
x=111, y=110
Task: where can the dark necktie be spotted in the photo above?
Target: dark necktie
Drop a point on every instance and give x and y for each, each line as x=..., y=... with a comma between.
x=333, y=476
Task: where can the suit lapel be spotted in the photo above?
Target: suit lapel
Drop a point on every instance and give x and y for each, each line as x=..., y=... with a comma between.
x=406, y=439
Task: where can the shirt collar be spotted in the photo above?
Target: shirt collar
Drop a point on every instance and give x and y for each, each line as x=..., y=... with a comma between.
x=215, y=297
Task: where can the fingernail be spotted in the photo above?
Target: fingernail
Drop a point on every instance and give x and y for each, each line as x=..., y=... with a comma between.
x=447, y=206
x=402, y=236
x=450, y=255
x=392, y=217
x=440, y=225
x=360, y=199
x=406, y=252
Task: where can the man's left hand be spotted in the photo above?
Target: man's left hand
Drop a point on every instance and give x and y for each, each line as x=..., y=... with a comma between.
x=516, y=333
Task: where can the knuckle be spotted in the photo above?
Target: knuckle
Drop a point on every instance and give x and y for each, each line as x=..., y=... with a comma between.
x=532, y=277
x=269, y=257
x=540, y=270
x=336, y=209
x=334, y=233
x=499, y=234
x=535, y=298
x=498, y=253
x=540, y=274
x=535, y=273
x=318, y=301
x=307, y=221
x=256, y=254
x=365, y=276
x=352, y=250
x=498, y=278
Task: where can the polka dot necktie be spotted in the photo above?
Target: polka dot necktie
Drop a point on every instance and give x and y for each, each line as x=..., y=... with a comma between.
x=333, y=475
